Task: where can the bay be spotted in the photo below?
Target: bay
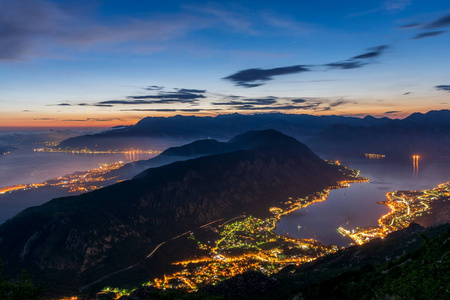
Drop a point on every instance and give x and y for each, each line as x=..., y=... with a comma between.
x=356, y=206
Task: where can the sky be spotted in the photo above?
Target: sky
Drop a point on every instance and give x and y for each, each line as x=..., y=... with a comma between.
x=92, y=63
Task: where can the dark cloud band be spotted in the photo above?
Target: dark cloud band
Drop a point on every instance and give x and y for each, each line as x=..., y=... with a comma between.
x=428, y=34
x=257, y=77
x=443, y=88
x=250, y=78
x=439, y=23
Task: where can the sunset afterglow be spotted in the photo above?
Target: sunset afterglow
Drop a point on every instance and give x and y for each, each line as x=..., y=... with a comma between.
x=75, y=64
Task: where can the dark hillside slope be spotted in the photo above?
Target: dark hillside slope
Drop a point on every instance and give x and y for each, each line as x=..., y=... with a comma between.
x=192, y=150
x=72, y=241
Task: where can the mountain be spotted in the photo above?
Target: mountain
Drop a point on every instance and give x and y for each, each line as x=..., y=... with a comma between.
x=192, y=150
x=72, y=241
x=152, y=131
x=423, y=134
x=195, y=149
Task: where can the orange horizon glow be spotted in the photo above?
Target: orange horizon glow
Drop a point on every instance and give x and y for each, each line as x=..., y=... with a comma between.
x=43, y=120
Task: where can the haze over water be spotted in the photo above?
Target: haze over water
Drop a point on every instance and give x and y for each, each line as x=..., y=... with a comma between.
x=357, y=205
x=24, y=166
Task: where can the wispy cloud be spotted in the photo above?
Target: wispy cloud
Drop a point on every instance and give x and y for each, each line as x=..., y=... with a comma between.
x=360, y=60
x=250, y=78
x=411, y=25
x=338, y=103
x=346, y=65
x=257, y=77
x=443, y=88
x=220, y=102
x=44, y=119
x=29, y=28
x=166, y=109
x=428, y=34
x=181, y=96
x=396, y=5
x=439, y=23
x=286, y=24
x=372, y=53
x=280, y=103
x=389, y=6
x=92, y=119
x=312, y=106
x=262, y=101
x=392, y=112
x=191, y=91
x=229, y=18
x=154, y=88
x=298, y=100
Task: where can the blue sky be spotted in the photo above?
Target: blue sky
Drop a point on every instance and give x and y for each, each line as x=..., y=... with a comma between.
x=102, y=63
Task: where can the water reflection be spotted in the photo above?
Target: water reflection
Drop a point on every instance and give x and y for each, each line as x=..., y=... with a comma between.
x=26, y=166
x=415, y=165
x=356, y=206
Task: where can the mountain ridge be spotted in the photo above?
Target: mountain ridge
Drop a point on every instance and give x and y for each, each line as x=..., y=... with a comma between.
x=419, y=134
x=222, y=127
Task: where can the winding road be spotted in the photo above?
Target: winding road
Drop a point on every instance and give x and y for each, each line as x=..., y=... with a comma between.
x=148, y=256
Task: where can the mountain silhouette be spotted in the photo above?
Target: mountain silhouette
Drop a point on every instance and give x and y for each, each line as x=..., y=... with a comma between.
x=423, y=134
x=153, y=131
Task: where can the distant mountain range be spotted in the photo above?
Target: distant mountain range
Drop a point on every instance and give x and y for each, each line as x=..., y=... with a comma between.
x=69, y=242
x=422, y=134
x=152, y=131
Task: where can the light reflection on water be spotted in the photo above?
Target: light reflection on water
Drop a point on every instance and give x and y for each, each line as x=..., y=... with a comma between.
x=24, y=166
x=357, y=205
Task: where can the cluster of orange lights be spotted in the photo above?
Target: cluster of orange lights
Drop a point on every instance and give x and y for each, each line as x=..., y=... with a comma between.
x=374, y=156
x=404, y=206
x=251, y=236
x=12, y=188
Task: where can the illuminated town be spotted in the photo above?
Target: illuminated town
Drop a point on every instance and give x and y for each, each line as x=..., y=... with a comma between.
x=132, y=154
x=78, y=182
x=247, y=243
x=405, y=207
x=374, y=156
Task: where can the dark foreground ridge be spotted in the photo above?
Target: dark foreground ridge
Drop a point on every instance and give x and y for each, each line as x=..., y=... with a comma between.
x=409, y=264
x=73, y=241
